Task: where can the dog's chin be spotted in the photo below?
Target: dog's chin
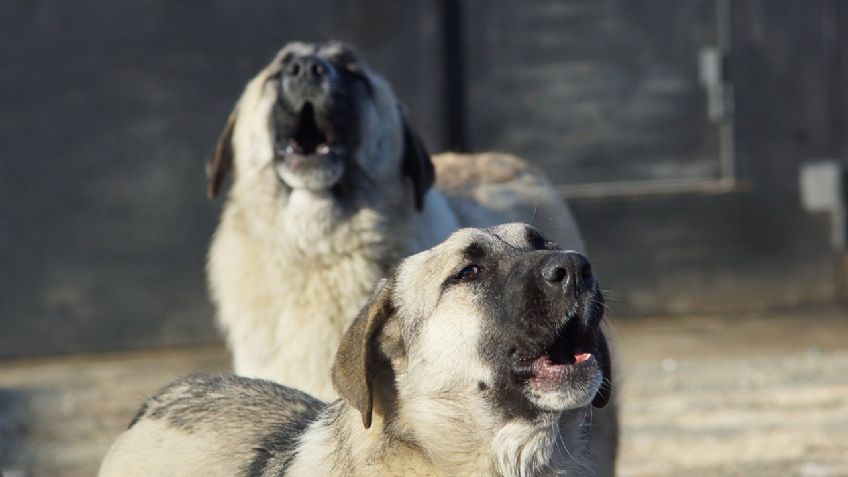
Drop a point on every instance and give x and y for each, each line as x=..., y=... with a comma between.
x=312, y=172
x=556, y=387
x=562, y=371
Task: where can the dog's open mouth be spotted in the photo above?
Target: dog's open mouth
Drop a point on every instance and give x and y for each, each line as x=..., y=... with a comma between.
x=571, y=353
x=310, y=157
x=309, y=139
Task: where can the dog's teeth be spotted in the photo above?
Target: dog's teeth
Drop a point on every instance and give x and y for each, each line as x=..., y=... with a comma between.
x=323, y=149
x=292, y=147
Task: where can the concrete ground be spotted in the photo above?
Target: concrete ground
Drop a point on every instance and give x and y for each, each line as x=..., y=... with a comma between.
x=750, y=395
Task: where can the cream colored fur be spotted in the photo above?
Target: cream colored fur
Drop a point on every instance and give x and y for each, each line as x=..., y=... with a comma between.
x=288, y=273
x=438, y=422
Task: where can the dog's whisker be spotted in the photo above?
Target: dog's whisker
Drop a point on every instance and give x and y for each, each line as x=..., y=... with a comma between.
x=587, y=421
x=612, y=311
x=535, y=207
x=561, y=443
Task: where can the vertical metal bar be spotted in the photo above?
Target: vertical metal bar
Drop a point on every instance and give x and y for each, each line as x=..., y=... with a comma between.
x=453, y=67
x=833, y=19
x=726, y=133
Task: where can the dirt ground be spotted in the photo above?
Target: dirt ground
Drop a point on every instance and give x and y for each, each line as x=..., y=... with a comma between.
x=749, y=395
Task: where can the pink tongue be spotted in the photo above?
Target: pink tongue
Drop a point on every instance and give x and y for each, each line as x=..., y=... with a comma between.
x=548, y=373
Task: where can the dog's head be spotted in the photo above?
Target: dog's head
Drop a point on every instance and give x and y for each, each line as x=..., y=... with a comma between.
x=497, y=318
x=324, y=122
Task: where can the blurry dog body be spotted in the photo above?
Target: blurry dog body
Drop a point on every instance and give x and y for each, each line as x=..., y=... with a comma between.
x=332, y=187
x=480, y=356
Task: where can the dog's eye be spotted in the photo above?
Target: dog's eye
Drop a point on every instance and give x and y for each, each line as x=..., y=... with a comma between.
x=469, y=273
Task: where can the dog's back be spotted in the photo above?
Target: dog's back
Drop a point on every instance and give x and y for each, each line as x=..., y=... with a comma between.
x=490, y=188
x=233, y=425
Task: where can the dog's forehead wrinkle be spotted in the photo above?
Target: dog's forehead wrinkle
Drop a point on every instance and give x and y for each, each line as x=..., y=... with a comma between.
x=517, y=235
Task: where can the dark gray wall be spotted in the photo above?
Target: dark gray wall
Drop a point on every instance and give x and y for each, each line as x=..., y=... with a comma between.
x=608, y=91
x=109, y=109
x=593, y=91
x=755, y=247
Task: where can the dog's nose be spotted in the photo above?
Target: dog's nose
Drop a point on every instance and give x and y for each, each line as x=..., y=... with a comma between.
x=308, y=69
x=569, y=270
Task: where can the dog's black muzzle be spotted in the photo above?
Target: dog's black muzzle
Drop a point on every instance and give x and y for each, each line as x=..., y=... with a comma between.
x=316, y=122
x=307, y=78
x=558, y=305
x=548, y=334
x=556, y=288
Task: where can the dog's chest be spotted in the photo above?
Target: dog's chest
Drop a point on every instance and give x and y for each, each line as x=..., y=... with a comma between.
x=287, y=290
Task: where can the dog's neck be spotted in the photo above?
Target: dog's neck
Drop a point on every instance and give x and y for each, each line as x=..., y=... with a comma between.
x=467, y=437
x=319, y=229
x=341, y=445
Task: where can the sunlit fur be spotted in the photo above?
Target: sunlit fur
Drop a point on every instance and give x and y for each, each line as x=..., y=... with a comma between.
x=289, y=267
x=438, y=422
x=287, y=271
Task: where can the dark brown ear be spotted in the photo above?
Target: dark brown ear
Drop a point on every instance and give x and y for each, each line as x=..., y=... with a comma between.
x=358, y=358
x=602, y=354
x=416, y=164
x=222, y=162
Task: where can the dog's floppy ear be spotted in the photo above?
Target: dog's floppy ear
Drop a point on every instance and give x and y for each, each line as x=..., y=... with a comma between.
x=359, y=358
x=222, y=162
x=416, y=163
x=602, y=354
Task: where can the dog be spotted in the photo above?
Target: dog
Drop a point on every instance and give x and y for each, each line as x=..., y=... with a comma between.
x=331, y=188
x=480, y=356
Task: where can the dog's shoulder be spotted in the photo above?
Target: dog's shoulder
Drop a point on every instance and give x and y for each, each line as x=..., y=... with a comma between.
x=490, y=188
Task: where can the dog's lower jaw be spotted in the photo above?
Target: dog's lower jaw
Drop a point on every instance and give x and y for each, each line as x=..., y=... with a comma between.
x=315, y=179
x=578, y=394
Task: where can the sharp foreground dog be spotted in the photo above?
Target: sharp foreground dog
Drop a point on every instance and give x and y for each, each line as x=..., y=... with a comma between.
x=480, y=356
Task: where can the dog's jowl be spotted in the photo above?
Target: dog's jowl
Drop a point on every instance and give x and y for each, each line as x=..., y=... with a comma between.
x=480, y=356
